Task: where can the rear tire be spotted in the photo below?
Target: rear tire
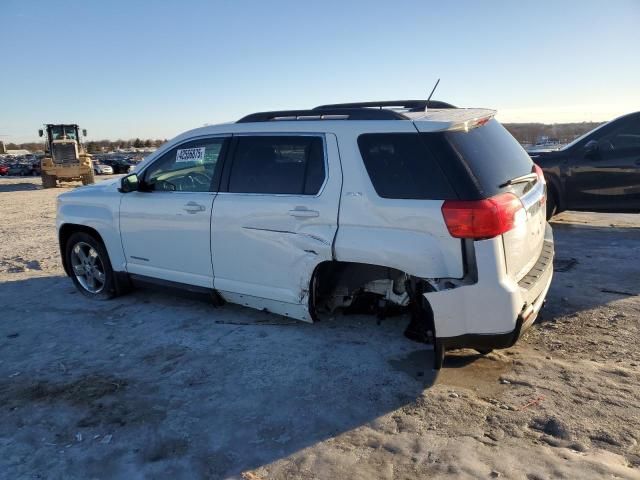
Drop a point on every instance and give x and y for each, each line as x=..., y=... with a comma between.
x=484, y=351
x=88, y=178
x=89, y=266
x=48, y=181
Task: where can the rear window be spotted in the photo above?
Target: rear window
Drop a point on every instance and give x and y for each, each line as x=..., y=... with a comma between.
x=278, y=165
x=489, y=154
x=400, y=166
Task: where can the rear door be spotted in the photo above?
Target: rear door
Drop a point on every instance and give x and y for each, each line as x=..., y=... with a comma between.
x=166, y=229
x=275, y=219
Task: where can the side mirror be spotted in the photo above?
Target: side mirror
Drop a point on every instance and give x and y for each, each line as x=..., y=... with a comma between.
x=591, y=147
x=84, y=132
x=130, y=183
x=40, y=133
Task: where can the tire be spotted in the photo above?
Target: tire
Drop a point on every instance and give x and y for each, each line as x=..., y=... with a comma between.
x=552, y=203
x=484, y=351
x=89, y=266
x=88, y=178
x=48, y=181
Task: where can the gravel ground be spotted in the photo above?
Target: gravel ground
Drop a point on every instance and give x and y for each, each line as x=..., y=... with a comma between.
x=161, y=385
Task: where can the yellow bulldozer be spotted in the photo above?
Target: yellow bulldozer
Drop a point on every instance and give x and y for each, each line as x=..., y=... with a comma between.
x=65, y=156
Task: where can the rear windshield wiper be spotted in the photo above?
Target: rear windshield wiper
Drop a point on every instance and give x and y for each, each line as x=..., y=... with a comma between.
x=529, y=177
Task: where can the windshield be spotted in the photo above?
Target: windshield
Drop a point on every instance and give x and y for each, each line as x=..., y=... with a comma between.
x=66, y=132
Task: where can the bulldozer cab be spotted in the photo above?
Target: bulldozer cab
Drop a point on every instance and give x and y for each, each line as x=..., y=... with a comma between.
x=65, y=157
x=62, y=132
x=59, y=136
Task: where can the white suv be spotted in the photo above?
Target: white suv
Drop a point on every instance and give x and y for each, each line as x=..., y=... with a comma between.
x=378, y=207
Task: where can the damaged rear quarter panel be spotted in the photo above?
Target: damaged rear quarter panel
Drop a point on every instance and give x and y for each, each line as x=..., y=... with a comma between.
x=409, y=235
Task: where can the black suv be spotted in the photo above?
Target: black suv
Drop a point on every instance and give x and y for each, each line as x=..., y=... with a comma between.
x=598, y=172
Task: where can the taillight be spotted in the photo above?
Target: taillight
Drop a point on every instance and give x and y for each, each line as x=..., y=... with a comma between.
x=541, y=179
x=539, y=172
x=486, y=218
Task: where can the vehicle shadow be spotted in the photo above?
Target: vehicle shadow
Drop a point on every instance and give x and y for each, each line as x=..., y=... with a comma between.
x=594, y=266
x=18, y=187
x=206, y=392
x=211, y=392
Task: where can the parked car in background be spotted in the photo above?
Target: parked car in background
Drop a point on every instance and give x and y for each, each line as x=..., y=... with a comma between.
x=102, y=168
x=36, y=169
x=20, y=170
x=599, y=171
x=119, y=165
x=438, y=213
x=3, y=170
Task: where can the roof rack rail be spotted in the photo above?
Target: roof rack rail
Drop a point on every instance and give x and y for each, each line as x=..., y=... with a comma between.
x=410, y=105
x=326, y=114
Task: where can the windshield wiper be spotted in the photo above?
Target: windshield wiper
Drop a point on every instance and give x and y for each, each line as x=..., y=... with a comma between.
x=529, y=177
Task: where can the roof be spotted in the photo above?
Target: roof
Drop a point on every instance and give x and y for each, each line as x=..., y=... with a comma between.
x=433, y=119
x=428, y=115
x=378, y=110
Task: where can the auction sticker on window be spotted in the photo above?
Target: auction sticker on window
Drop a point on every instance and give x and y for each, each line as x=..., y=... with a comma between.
x=190, y=155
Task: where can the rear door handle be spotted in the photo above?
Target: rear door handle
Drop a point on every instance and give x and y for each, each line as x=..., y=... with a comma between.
x=193, y=207
x=304, y=213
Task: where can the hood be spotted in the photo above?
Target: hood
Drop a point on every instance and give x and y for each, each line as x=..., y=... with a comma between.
x=110, y=185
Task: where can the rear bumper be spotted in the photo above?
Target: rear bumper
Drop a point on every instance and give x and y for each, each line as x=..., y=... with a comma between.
x=494, y=311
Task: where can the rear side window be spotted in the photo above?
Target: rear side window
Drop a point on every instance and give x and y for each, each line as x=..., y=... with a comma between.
x=400, y=166
x=278, y=164
x=489, y=155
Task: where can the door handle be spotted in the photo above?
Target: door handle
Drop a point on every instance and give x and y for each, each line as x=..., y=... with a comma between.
x=304, y=213
x=193, y=207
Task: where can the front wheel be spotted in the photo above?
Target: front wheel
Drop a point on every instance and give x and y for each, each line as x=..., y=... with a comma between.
x=88, y=178
x=90, y=267
x=48, y=181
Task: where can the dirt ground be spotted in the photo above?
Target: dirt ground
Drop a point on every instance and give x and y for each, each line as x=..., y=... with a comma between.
x=160, y=385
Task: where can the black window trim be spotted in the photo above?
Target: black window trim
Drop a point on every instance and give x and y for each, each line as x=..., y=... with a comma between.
x=142, y=174
x=228, y=166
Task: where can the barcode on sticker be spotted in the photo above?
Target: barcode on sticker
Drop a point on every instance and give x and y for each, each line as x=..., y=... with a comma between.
x=190, y=155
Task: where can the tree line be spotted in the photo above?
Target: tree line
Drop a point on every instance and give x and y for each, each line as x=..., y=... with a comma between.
x=528, y=133
x=93, y=146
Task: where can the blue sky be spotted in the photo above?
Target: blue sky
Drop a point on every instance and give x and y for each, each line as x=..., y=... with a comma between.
x=126, y=69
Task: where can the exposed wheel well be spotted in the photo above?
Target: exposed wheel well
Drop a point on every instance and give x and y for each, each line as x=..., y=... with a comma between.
x=373, y=289
x=65, y=233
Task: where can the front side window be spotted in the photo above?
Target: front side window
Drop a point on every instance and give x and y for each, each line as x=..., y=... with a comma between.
x=278, y=165
x=624, y=137
x=189, y=167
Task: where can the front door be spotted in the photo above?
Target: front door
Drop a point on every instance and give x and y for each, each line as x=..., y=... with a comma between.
x=608, y=179
x=166, y=226
x=275, y=219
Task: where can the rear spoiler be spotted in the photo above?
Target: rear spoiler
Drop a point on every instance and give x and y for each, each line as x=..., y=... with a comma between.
x=459, y=119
